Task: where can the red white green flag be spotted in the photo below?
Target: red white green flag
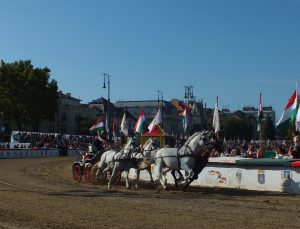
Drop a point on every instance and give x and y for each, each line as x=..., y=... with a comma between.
x=289, y=113
x=98, y=126
x=114, y=127
x=138, y=128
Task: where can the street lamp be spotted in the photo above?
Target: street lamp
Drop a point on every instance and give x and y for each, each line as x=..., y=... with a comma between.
x=107, y=78
x=2, y=125
x=160, y=105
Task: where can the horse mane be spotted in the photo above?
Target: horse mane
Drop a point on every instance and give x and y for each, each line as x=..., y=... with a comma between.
x=190, y=138
x=129, y=141
x=147, y=142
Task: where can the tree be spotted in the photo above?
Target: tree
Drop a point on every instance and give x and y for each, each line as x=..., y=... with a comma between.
x=268, y=129
x=237, y=125
x=26, y=94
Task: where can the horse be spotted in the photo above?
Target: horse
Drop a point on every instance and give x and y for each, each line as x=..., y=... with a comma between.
x=127, y=160
x=106, y=163
x=144, y=162
x=192, y=157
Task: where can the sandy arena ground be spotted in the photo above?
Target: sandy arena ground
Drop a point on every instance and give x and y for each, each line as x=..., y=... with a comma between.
x=40, y=193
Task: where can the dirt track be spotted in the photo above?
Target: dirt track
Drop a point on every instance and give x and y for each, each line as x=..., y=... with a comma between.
x=40, y=193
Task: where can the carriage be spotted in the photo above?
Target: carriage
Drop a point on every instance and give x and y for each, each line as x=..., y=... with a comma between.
x=83, y=166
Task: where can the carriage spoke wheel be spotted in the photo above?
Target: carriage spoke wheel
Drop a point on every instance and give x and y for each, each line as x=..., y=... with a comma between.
x=76, y=171
x=88, y=173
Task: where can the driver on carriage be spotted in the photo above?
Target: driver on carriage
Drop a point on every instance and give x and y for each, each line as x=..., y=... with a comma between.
x=101, y=141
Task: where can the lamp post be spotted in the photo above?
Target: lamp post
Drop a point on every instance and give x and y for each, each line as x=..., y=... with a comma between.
x=107, y=78
x=160, y=105
x=2, y=125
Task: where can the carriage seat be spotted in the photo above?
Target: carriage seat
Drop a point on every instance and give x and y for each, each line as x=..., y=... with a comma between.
x=95, y=158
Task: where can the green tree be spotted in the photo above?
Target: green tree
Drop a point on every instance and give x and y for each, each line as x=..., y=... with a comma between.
x=268, y=129
x=26, y=94
x=238, y=125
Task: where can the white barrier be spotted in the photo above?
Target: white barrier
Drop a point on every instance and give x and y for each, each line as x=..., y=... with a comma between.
x=227, y=174
x=74, y=153
x=26, y=153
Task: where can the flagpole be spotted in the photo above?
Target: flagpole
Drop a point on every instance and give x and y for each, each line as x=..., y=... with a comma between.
x=260, y=131
x=297, y=107
x=217, y=101
x=142, y=143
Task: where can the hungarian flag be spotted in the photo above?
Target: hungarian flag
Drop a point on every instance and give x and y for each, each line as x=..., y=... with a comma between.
x=289, y=113
x=186, y=117
x=114, y=127
x=98, y=126
x=260, y=114
x=138, y=128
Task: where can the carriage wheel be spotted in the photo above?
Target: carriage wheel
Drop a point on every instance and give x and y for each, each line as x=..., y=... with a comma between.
x=76, y=171
x=88, y=173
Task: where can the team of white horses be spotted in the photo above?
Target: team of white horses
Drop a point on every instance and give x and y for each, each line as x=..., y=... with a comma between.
x=192, y=157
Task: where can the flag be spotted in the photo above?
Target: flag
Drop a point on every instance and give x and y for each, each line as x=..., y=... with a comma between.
x=124, y=125
x=186, y=117
x=138, y=128
x=216, y=119
x=259, y=114
x=98, y=126
x=114, y=126
x=289, y=113
x=106, y=124
x=298, y=120
x=156, y=121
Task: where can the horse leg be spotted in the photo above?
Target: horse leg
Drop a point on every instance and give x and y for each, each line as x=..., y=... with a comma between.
x=150, y=174
x=127, y=178
x=173, y=172
x=160, y=173
x=94, y=172
x=113, y=175
x=189, y=179
x=188, y=183
x=137, y=178
x=180, y=175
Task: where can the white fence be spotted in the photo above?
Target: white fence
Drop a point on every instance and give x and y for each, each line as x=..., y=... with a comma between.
x=26, y=153
x=224, y=173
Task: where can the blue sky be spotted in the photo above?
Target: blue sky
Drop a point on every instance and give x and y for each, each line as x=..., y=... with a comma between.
x=231, y=48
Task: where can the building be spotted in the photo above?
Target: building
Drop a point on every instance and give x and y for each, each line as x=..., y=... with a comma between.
x=267, y=112
x=172, y=123
x=69, y=115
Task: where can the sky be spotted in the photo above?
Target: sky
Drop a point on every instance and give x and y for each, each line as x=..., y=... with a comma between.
x=234, y=49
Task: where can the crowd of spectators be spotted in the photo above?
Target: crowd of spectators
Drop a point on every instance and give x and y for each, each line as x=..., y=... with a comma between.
x=279, y=149
x=37, y=140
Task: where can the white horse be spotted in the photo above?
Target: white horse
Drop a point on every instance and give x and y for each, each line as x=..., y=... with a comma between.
x=192, y=157
x=106, y=163
x=128, y=159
